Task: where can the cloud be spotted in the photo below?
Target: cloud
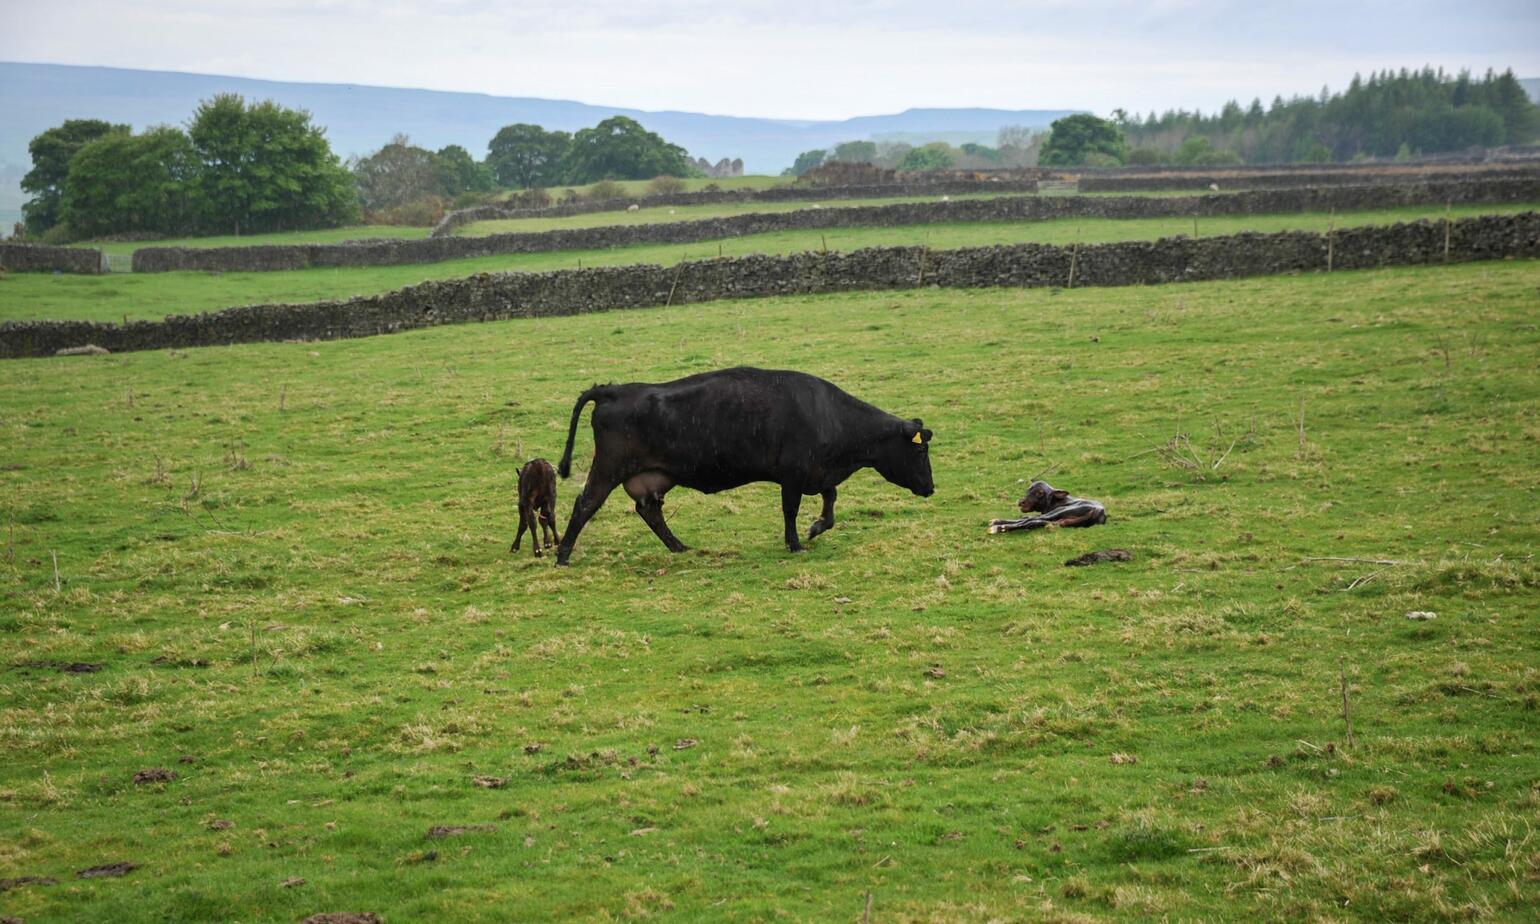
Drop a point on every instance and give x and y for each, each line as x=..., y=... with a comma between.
x=792, y=60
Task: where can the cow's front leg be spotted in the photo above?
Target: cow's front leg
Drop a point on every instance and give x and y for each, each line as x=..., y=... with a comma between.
x=1006, y=526
x=791, y=502
x=825, y=521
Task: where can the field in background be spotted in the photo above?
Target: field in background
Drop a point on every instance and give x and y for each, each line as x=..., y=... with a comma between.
x=640, y=187
x=673, y=213
x=154, y=295
x=291, y=562
x=126, y=249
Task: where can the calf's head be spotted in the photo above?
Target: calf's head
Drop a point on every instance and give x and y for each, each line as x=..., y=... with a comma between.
x=1041, y=498
x=904, y=458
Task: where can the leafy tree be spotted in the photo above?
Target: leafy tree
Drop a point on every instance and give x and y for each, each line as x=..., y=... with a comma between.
x=806, y=161
x=620, y=148
x=524, y=156
x=458, y=172
x=398, y=173
x=855, y=152
x=121, y=182
x=1198, y=150
x=1013, y=136
x=1073, y=138
x=266, y=168
x=934, y=156
x=605, y=190
x=665, y=186
x=51, y=154
x=1146, y=156
x=980, y=152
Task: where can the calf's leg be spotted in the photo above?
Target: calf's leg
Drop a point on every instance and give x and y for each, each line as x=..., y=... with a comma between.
x=548, y=521
x=825, y=521
x=523, y=524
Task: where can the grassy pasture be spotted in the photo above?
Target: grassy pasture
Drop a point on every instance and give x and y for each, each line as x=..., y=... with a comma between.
x=126, y=249
x=154, y=295
x=291, y=561
x=694, y=184
x=665, y=214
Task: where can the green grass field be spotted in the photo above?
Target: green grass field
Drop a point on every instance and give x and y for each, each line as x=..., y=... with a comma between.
x=124, y=249
x=290, y=561
x=666, y=214
x=695, y=184
x=151, y=296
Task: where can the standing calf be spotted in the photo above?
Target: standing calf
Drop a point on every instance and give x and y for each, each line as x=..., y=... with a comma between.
x=537, y=504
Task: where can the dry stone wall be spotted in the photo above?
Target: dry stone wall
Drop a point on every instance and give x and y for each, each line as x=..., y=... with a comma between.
x=491, y=297
x=37, y=258
x=1014, y=208
x=896, y=190
x=1226, y=178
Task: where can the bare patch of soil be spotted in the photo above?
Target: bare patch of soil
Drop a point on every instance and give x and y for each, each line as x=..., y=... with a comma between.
x=8, y=884
x=107, y=870
x=1100, y=556
x=457, y=830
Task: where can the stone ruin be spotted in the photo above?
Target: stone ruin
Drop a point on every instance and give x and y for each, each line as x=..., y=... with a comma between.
x=721, y=169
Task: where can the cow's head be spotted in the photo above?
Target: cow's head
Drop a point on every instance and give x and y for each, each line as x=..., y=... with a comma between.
x=904, y=458
x=1041, y=498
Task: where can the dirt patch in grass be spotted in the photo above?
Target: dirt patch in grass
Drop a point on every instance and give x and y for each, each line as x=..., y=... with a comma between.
x=1100, y=556
x=8, y=884
x=457, y=830
x=107, y=870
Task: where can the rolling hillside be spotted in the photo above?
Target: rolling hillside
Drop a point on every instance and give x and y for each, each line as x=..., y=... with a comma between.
x=359, y=119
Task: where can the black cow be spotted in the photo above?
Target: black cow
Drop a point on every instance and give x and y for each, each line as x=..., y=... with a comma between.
x=720, y=430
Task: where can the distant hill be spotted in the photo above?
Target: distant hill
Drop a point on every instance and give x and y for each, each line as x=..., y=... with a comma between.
x=359, y=119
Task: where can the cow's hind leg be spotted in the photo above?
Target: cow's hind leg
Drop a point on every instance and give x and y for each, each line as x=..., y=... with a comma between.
x=647, y=489
x=825, y=521
x=587, y=504
x=791, y=502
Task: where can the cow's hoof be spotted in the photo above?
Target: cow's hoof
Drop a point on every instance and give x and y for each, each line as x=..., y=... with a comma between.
x=996, y=529
x=794, y=549
x=539, y=554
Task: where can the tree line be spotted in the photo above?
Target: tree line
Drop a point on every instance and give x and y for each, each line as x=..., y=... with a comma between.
x=1391, y=113
x=241, y=168
x=1015, y=146
x=1400, y=115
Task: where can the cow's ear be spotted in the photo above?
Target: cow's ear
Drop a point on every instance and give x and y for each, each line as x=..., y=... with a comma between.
x=1060, y=497
x=925, y=435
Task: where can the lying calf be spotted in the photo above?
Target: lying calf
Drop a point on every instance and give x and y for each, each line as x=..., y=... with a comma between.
x=1045, y=505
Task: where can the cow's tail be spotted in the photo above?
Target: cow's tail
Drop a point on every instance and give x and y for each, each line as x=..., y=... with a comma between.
x=592, y=394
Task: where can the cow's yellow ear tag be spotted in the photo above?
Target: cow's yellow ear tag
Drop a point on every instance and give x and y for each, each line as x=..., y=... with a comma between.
x=917, y=439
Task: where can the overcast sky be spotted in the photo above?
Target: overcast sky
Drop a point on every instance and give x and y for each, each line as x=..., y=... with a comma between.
x=791, y=59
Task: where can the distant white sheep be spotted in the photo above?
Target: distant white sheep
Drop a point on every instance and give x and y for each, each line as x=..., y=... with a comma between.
x=1213, y=187
x=633, y=207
